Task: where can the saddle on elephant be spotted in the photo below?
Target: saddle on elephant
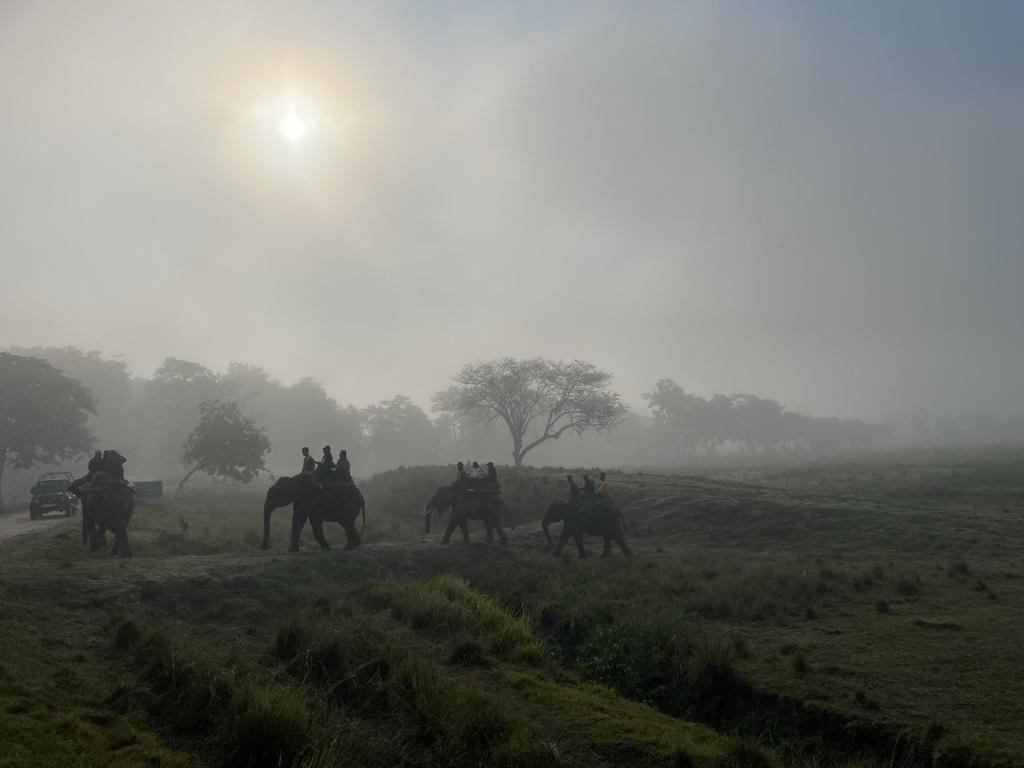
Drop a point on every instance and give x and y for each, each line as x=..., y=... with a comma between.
x=477, y=487
x=101, y=480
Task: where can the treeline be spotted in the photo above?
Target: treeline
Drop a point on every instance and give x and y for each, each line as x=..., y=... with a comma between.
x=149, y=420
x=692, y=426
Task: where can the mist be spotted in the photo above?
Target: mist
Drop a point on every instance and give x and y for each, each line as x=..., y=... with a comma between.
x=815, y=205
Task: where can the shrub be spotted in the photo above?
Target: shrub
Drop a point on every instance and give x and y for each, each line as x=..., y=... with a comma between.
x=271, y=728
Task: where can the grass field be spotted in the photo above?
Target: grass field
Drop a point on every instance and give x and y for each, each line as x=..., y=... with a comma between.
x=868, y=612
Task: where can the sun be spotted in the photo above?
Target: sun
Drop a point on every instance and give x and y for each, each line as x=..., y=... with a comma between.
x=292, y=128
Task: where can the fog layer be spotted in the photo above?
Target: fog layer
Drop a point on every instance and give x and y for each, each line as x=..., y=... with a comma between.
x=817, y=205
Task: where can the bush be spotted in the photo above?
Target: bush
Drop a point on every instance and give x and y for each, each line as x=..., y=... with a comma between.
x=271, y=728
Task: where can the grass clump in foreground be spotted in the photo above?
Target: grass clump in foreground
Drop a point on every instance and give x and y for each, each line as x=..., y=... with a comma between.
x=665, y=664
x=449, y=604
x=53, y=707
x=228, y=712
x=371, y=674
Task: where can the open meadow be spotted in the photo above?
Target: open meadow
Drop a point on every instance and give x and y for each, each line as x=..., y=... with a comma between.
x=868, y=612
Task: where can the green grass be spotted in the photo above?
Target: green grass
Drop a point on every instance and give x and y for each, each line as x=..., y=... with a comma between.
x=449, y=604
x=815, y=613
x=54, y=698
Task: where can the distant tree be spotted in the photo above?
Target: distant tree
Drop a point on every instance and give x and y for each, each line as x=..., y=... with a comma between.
x=398, y=432
x=108, y=379
x=167, y=406
x=759, y=421
x=674, y=411
x=225, y=443
x=43, y=414
x=537, y=399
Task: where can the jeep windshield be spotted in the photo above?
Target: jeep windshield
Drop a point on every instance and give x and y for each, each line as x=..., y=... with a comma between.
x=50, y=486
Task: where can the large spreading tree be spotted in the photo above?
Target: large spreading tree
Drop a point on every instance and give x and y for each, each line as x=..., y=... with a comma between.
x=537, y=399
x=43, y=414
x=225, y=443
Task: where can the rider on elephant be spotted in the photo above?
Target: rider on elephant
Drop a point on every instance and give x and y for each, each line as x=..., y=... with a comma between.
x=602, y=486
x=492, y=477
x=326, y=465
x=308, y=462
x=113, y=465
x=477, y=473
x=344, y=468
x=96, y=462
x=574, y=490
x=588, y=485
x=461, y=476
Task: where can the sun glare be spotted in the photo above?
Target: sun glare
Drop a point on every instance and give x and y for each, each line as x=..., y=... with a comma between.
x=292, y=128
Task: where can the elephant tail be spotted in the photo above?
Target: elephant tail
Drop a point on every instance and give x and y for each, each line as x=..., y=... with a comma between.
x=362, y=508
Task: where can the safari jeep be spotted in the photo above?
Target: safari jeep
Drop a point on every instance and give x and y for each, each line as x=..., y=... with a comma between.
x=51, y=493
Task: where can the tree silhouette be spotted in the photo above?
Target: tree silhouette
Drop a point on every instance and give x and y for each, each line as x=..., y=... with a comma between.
x=398, y=432
x=537, y=399
x=43, y=414
x=225, y=443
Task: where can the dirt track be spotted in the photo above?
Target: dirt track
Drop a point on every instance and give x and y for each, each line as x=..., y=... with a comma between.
x=18, y=524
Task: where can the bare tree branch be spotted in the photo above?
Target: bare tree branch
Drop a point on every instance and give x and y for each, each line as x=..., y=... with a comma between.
x=554, y=396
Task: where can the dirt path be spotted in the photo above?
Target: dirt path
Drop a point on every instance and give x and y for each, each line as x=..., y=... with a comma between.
x=19, y=524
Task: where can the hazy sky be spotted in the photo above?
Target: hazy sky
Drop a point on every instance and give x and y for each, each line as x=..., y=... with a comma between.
x=816, y=202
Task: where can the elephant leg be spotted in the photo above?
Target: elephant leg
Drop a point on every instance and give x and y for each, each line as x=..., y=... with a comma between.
x=353, y=539
x=578, y=538
x=426, y=524
x=563, y=538
x=489, y=527
x=97, y=538
x=607, y=550
x=455, y=520
x=317, y=524
x=121, y=546
x=620, y=539
x=298, y=523
x=501, y=531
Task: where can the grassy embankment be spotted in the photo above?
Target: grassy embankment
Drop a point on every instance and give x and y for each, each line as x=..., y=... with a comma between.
x=853, y=614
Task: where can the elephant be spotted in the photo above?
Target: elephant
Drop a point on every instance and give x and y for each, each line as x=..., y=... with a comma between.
x=106, y=505
x=467, y=505
x=439, y=503
x=604, y=520
x=340, y=503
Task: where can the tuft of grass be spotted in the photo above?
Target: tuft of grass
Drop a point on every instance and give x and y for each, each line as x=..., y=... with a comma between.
x=449, y=604
x=270, y=728
x=366, y=669
x=248, y=722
